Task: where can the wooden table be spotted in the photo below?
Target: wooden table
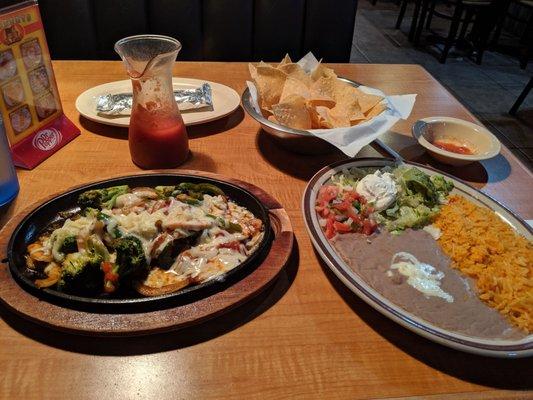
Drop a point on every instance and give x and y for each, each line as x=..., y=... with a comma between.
x=307, y=336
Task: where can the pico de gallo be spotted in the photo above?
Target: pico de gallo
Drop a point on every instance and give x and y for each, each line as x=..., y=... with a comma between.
x=344, y=211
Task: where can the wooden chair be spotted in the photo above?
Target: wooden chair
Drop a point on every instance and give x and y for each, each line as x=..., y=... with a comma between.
x=465, y=12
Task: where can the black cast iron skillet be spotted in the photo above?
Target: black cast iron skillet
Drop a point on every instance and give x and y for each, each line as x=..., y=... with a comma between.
x=39, y=219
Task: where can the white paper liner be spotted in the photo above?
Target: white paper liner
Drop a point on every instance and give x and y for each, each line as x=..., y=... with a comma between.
x=351, y=140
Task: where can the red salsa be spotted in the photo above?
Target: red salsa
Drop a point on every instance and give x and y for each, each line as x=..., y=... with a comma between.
x=452, y=147
x=345, y=211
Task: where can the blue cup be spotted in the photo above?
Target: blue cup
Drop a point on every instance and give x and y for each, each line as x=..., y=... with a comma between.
x=9, y=184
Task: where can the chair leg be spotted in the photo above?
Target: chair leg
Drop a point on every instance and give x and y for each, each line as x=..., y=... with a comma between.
x=403, y=7
x=521, y=98
x=524, y=59
x=527, y=38
x=466, y=22
x=423, y=13
x=430, y=15
x=414, y=21
x=456, y=20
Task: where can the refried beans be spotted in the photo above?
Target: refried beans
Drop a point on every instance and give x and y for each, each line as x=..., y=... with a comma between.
x=370, y=257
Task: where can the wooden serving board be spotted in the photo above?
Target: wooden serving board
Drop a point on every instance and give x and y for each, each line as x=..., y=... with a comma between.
x=18, y=300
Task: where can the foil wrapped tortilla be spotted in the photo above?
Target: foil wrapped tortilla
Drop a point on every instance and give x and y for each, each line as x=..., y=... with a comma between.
x=198, y=99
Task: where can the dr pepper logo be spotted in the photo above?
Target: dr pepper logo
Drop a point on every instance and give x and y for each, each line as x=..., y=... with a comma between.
x=47, y=139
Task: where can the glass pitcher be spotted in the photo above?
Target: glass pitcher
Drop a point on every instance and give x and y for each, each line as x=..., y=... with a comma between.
x=157, y=136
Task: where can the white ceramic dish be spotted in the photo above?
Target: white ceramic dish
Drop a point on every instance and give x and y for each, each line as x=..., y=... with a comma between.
x=482, y=346
x=484, y=143
x=225, y=101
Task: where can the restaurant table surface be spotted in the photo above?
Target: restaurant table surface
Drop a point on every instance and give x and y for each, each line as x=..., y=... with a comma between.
x=306, y=336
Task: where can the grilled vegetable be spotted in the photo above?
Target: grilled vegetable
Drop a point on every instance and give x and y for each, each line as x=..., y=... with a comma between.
x=101, y=198
x=81, y=274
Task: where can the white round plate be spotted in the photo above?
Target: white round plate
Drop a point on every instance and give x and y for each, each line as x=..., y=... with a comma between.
x=225, y=101
x=487, y=347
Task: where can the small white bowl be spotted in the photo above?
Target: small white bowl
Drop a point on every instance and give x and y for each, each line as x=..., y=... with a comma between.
x=483, y=143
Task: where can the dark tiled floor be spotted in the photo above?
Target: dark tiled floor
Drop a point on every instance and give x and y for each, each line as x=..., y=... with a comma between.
x=488, y=90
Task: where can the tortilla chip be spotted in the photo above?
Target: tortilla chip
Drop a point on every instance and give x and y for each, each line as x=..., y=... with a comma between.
x=367, y=101
x=322, y=72
x=324, y=87
x=338, y=118
x=322, y=101
x=345, y=94
x=293, y=113
x=376, y=110
x=253, y=70
x=271, y=118
x=315, y=117
x=322, y=113
x=294, y=86
x=286, y=60
x=269, y=82
x=297, y=72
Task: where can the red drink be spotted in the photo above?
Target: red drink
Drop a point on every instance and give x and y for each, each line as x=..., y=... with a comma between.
x=157, y=134
x=158, y=138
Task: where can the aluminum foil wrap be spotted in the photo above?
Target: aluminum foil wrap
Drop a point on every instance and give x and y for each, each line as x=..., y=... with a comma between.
x=188, y=100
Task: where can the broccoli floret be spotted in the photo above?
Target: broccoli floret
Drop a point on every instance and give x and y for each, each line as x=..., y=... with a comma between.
x=81, y=274
x=130, y=264
x=131, y=261
x=69, y=245
x=101, y=198
x=96, y=246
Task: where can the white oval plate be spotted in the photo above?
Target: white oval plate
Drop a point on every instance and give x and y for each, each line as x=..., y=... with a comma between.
x=487, y=347
x=225, y=101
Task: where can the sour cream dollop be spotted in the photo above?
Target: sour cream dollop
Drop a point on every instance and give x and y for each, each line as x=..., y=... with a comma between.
x=379, y=189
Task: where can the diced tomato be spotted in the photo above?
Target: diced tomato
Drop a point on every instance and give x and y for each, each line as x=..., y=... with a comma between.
x=111, y=276
x=106, y=266
x=369, y=227
x=323, y=211
x=235, y=245
x=330, y=231
x=343, y=206
x=350, y=212
x=342, y=228
x=327, y=193
x=351, y=196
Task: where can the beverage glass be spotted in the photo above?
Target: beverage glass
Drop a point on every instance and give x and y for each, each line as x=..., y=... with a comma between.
x=157, y=136
x=9, y=184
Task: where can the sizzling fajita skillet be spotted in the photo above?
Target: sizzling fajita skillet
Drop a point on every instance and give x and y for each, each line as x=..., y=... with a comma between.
x=191, y=303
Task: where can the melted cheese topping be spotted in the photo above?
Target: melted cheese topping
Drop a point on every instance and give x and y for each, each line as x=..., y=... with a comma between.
x=81, y=228
x=216, y=250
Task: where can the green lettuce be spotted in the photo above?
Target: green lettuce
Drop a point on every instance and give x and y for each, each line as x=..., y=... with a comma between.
x=418, y=201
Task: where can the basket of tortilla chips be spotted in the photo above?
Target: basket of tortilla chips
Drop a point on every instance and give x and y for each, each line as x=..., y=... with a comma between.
x=307, y=108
